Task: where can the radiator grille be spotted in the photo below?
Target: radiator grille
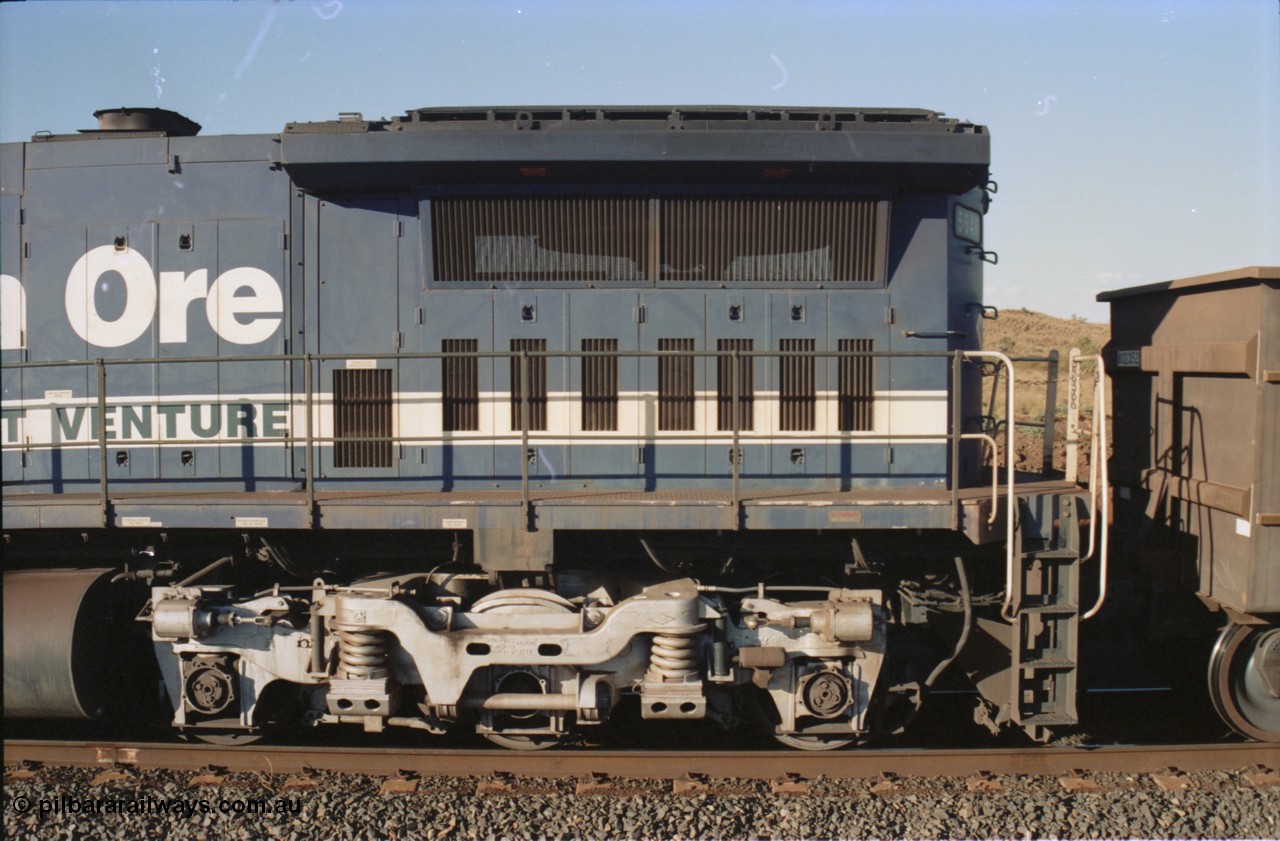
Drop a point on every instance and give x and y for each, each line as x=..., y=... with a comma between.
x=362, y=409
x=461, y=376
x=513, y=239
x=724, y=386
x=722, y=239
x=537, y=396
x=792, y=240
x=599, y=386
x=675, y=386
x=797, y=386
x=856, y=392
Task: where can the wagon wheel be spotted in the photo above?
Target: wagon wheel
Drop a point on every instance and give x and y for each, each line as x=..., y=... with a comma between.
x=1244, y=680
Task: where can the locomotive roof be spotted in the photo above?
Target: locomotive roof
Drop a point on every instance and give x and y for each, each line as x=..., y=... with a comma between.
x=622, y=117
x=890, y=147
x=911, y=147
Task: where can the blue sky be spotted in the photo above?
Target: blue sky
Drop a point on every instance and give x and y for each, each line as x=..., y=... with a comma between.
x=1132, y=141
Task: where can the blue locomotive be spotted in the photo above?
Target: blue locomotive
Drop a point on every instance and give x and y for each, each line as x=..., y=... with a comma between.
x=502, y=418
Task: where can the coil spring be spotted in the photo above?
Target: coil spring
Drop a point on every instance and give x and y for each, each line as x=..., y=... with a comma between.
x=672, y=658
x=362, y=652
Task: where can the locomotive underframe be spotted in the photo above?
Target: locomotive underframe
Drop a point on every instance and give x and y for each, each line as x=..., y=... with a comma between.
x=832, y=655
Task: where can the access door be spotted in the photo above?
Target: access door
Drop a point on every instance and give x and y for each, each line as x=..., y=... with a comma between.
x=355, y=272
x=738, y=321
x=604, y=405
x=858, y=406
x=532, y=388
x=797, y=412
x=675, y=400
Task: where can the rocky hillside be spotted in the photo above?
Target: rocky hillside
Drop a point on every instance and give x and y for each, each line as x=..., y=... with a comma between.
x=1022, y=333
x=1027, y=333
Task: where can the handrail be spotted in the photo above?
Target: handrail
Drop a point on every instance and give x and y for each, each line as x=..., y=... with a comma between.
x=995, y=474
x=103, y=501
x=1073, y=444
x=1098, y=456
x=311, y=397
x=525, y=374
x=1011, y=508
x=735, y=412
x=482, y=354
x=311, y=460
x=498, y=437
x=957, y=422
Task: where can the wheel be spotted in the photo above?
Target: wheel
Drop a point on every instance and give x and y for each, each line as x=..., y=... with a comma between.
x=813, y=742
x=525, y=741
x=222, y=738
x=761, y=708
x=1244, y=680
x=523, y=602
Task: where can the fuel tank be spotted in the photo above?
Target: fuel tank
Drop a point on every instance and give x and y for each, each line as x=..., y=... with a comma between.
x=71, y=649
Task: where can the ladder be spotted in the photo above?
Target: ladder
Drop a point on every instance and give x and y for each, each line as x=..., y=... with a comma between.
x=1045, y=631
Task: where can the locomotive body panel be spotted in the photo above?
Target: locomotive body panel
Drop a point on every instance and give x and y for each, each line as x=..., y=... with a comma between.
x=147, y=247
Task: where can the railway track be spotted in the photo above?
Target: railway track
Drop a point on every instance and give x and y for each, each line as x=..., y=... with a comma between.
x=398, y=762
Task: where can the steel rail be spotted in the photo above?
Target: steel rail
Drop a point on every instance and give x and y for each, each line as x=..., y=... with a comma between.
x=866, y=763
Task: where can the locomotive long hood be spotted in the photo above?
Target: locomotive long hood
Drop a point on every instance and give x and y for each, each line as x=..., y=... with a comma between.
x=902, y=147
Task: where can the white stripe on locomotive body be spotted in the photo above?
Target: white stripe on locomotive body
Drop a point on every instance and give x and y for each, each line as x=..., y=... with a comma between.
x=60, y=418
x=268, y=419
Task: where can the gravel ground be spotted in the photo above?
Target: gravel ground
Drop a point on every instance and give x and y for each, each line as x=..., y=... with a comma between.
x=56, y=804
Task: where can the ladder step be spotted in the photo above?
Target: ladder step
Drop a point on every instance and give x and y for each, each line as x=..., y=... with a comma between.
x=1051, y=555
x=1049, y=609
x=1048, y=663
x=1048, y=718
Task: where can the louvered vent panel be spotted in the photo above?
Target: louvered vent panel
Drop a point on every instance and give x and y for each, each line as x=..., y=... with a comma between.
x=792, y=240
x=461, y=384
x=599, y=386
x=724, y=386
x=822, y=240
x=856, y=393
x=537, y=395
x=362, y=409
x=797, y=386
x=543, y=239
x=675, y=386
